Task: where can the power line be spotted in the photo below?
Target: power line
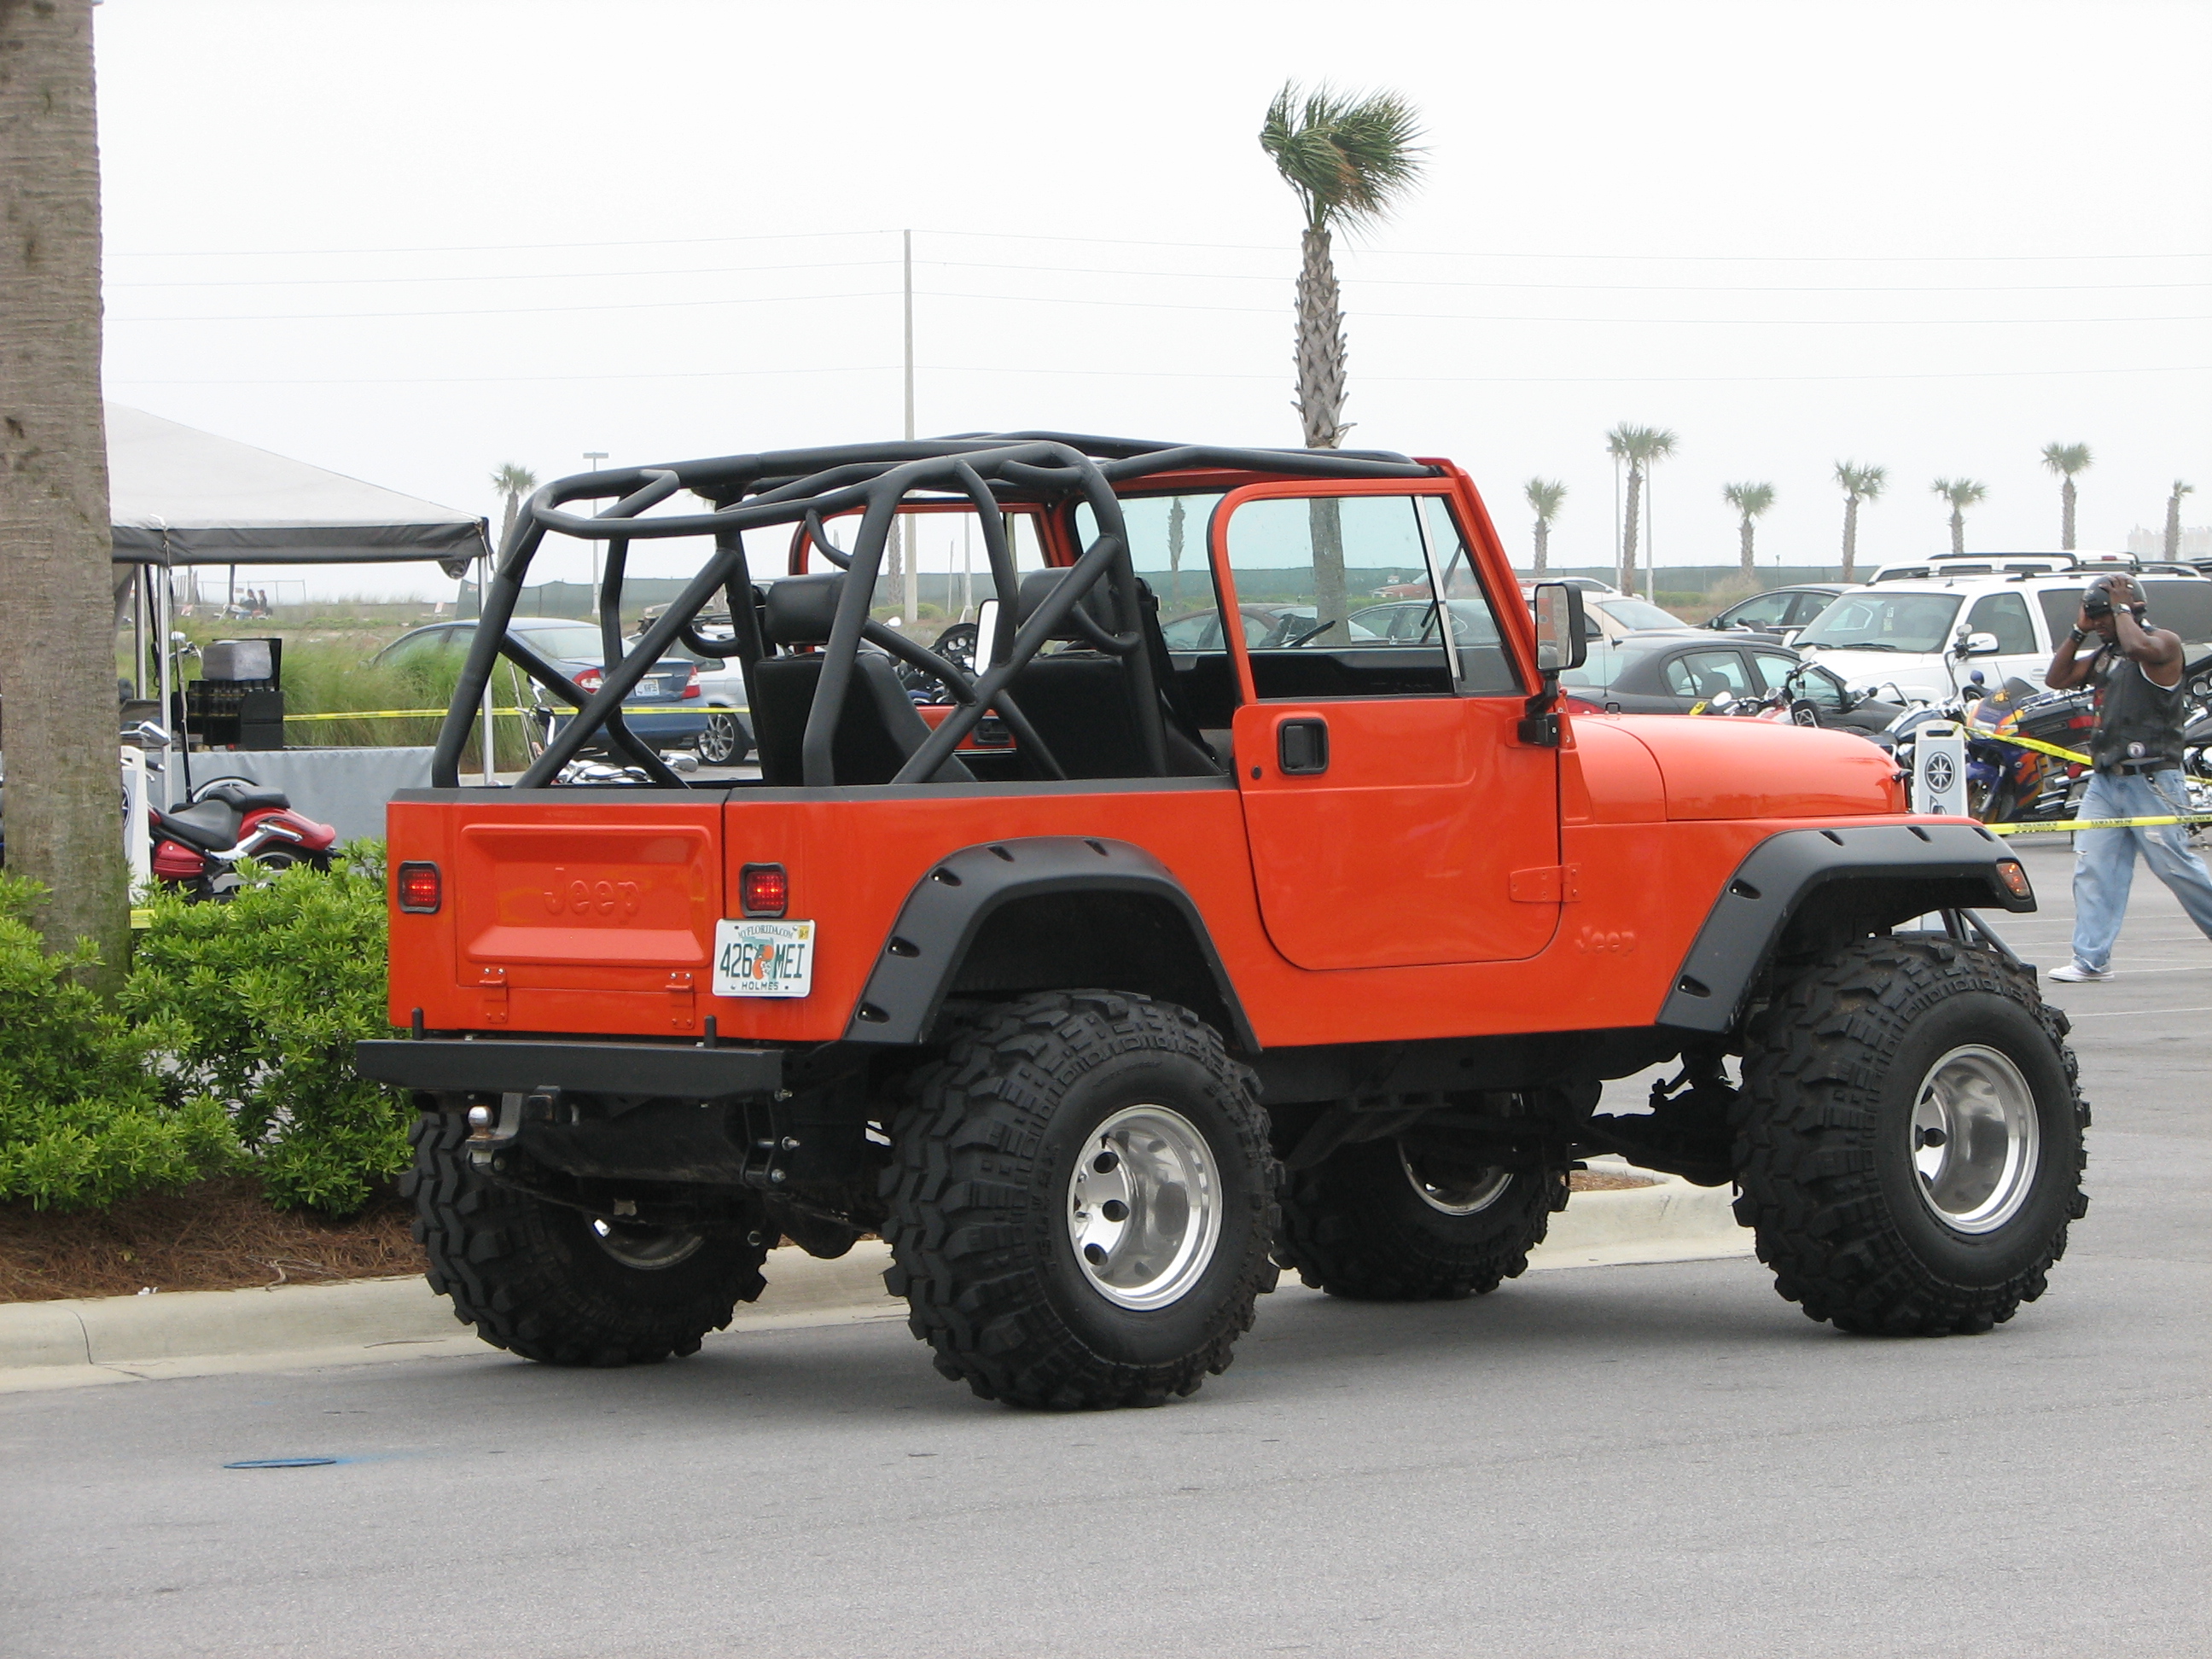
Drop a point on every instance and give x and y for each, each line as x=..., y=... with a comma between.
x=512, y=277
x=1355, y=281
x=1126, y=242
x=1155, y=304
x=1198, y=374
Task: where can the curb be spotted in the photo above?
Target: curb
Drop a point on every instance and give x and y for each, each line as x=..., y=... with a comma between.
x=125, y=1339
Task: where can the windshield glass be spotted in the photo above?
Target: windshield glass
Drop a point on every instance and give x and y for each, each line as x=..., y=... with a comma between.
x=1884, y=622
x=1636, y=613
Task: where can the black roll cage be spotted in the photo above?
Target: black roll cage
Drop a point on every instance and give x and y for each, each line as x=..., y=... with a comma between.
x=804, y=487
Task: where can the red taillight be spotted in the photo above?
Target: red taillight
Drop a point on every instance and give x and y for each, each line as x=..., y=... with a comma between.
x=763, y=889
x=589, y=679
x=691, y=687
x=417, y=887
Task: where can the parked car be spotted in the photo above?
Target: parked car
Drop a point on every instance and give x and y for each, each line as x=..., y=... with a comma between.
x=1267, y=628
x=574, y=648
x=1925, y=634
x=1684, y=671
x=1615, y=616
x=1779, y=611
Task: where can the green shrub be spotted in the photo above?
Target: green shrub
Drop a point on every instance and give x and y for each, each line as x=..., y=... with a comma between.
x=81, y=1121
x=257, y=1004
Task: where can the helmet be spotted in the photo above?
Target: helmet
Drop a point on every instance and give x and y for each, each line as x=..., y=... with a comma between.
x=2097, y=596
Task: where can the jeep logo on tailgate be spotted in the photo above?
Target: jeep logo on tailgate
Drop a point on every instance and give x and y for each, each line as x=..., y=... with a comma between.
x=592, y=899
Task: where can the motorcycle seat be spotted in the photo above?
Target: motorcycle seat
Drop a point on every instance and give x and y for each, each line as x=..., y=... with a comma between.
x=210, y=825
x=247, y=797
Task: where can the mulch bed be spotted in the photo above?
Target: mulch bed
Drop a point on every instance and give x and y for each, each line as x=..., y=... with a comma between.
x=223, y=1236
x=215, y=1235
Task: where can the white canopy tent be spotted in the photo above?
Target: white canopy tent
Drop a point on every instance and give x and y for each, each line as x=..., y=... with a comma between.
x=179, y=496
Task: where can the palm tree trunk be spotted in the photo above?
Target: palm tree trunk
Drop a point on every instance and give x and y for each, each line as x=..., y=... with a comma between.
x=1851, y=534
x=1175, y=554
x=1958, y=530
x=1320, y=354
x=1322, y=348
x=2066, y=515
x=56, y=642
x=1543, y=545
x=2173, y=526
x=1628, y=528
x=1744, y=542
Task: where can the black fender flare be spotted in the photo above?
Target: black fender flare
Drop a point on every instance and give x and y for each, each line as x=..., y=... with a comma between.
x=919, y=962
x=1931, y=866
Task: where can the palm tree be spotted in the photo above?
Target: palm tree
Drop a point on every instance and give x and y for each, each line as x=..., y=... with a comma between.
x=1640, y=447
x=57, y=630
x=1175, y=554
x=515, y=482
x=2174, y=517
x=1749, y=501
x=1861, y=484
x=1544, y=495
x=1961, y=493
x=2066, y=459
x=1348, y=158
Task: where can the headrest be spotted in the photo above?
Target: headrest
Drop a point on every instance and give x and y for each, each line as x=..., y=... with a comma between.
x=1098, y=604
x=800, y=609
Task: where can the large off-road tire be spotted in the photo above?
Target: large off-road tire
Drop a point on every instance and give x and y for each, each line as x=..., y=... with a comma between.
x=555, y=1284
x=1081, y=1199
x=1376, y=1224
x=1909, y=1138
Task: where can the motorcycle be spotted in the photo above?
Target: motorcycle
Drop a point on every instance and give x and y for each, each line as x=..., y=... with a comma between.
x=198, y=846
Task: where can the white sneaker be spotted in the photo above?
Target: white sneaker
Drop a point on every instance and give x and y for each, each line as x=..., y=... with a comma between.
x=2075, y=973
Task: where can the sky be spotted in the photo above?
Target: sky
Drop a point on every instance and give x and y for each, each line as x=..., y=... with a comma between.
x=413, y=240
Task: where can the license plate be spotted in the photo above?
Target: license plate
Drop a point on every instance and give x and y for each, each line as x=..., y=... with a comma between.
x=763, y=958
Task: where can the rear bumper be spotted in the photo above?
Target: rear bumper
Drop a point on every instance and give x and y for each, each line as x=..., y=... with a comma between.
x=686, y=1072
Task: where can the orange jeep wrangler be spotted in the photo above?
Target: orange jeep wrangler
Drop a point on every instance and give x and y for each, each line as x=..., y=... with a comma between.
x=1115, y=964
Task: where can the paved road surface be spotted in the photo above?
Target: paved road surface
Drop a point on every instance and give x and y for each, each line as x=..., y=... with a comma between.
x=1662, y=1459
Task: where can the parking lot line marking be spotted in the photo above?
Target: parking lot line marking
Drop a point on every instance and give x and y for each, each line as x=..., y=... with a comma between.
x=2135, y=1013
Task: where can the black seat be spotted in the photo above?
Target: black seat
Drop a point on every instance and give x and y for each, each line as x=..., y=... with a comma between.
x=1078, y=701
x=211, y=826
x=246, y=797
x=878, y=729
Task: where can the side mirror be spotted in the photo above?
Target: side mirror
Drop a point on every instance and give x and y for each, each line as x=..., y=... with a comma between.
x=1562, y=640
x=1978, y=645
x=987, y=636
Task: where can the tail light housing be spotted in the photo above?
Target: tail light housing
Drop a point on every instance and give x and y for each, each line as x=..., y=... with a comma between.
x=691, y=687
x=418, y=889
x=763, y=889
x=588, y=679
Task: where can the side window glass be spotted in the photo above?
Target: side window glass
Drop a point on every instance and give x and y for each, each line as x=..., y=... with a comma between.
x=1765, y=611
x=1485, y=667
x=2004, y=615
x=1808, y=607
x=1167, y=549
x=1711, y=674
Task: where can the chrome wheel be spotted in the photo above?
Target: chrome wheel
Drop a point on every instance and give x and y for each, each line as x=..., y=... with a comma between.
x=723, y=741
x=1455, y=1192
x=649, y=1249
x=1144, y=1207
x=1976, y=1139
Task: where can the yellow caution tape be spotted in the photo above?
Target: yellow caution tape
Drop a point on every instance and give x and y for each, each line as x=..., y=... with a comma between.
x=440, y=713
x=2069, y=824
x=2036, y=744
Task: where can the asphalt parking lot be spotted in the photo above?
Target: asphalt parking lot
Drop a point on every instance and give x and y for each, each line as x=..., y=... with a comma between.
x=1666, y=1458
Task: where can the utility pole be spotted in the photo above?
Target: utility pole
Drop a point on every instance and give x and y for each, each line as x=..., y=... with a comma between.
x=595, y=455
x=905, y=601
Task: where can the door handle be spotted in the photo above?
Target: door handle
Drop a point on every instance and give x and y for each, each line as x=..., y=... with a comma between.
x=1301, y=747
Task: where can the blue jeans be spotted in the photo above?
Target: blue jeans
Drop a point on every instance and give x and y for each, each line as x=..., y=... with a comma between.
x=2104, y=860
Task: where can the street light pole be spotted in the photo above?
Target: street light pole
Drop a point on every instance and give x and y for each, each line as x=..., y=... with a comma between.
x=595, y=455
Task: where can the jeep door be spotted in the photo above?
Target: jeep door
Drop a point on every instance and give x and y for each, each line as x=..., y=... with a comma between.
x=1395, y=817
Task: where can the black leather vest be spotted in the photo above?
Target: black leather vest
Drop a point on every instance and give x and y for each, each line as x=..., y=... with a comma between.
x=2138, y=721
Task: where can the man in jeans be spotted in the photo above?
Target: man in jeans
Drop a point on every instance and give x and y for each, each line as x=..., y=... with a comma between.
x=2136, y=669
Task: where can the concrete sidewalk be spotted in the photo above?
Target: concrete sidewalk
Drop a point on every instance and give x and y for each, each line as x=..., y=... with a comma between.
x=127, y=1338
